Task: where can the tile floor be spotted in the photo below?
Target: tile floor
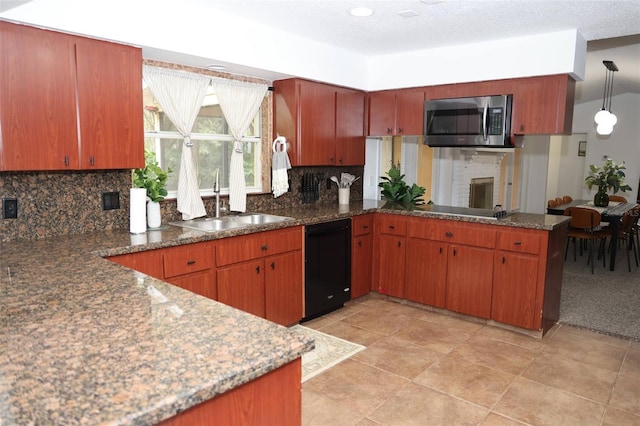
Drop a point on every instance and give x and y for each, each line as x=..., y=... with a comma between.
x=426, y=368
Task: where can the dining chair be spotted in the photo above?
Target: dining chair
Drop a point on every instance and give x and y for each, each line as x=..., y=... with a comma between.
x=559, y=200
x=628, y=224
x=552, y=203
x=585, y=227
x=618, y=198
x=567, y=199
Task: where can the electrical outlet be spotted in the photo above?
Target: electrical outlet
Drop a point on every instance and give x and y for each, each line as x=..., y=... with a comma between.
x=110, y=200
x=9, y=208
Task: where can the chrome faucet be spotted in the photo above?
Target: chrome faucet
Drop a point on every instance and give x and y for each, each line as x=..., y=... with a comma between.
x=216, y=190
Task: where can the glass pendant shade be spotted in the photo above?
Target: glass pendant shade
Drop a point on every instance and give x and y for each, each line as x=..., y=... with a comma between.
x=601, y=116
x=604, y=129
x=605, y=119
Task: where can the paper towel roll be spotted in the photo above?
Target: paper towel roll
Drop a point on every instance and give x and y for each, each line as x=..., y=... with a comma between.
x=138, y=211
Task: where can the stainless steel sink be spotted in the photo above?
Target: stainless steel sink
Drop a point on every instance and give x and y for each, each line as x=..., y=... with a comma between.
x=259, y=218
x=213, y=224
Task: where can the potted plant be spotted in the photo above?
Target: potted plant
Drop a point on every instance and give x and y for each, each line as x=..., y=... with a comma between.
x=397, y=193
x=609, y=176
x=154, y=180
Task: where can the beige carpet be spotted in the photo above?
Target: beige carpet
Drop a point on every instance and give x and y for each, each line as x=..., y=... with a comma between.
x=328, y=352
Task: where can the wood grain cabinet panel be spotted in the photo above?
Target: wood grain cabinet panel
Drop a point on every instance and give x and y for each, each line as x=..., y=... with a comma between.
x=323, y=124
x=110, y=98
x=71, y=103
x=187, y=259
x=147, y=262
x=514, y=289
x=361, y=255
x=38, y=103
x=469, y=280
x=396, y=112
x=262, y=274
x=202, y=283
x=426, y=279
x=391, y=254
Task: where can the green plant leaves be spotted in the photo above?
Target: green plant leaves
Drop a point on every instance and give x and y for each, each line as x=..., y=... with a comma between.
x=609, y=176
x=397, y=193
x=152, y=178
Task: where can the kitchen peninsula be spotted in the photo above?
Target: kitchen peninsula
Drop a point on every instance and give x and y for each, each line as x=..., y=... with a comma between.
x=85, y=340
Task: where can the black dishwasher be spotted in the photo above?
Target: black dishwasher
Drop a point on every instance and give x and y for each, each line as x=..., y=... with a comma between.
x=327, y=270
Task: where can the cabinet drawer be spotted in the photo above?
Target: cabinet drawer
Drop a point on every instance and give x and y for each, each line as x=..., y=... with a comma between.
x=253, y=246
x=519, y=241
x=393, y=225
x=187, y=259
x=362, y=225
x=465, y=233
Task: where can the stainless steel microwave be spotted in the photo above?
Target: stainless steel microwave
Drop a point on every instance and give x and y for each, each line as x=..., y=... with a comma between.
x=459, y=122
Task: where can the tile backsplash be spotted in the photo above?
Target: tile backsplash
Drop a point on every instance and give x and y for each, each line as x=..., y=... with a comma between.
x=61, y=203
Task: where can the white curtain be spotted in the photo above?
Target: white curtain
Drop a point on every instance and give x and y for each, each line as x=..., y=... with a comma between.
x=240, y=102
x=180, y=95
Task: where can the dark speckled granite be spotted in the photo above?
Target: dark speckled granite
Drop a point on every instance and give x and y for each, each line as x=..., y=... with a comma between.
x=86, y=341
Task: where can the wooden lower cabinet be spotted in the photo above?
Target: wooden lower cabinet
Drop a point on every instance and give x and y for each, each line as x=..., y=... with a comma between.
x=272, y=399
x=426, y=274
x=262, y=274
x=514, y=288
x=242, y=286
x=469, y=280
x=202, y=283
x=147, y=262
x=361, y=255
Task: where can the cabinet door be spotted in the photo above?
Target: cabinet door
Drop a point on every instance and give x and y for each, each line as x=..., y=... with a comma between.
x=202, y=283
x=38, y=102
x=242, y=286
x=317, y=140
x=392, y=253
x=514, y=289
x=350, y=135
x=283, y=288
x=110, y=105
x=543, y=105
x=361, y=267
x=426, y=279
x=147, y=262
x=469, y=280
x=382, y=113
x=409, y=112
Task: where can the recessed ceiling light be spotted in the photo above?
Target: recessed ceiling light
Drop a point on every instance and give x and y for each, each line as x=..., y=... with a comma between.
x=361, y=11
x=408, y=13
x=216, y=67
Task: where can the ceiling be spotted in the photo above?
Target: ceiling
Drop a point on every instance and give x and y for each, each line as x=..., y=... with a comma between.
x=611, y=27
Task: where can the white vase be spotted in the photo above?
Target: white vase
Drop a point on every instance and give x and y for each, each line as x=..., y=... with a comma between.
x=153, y=214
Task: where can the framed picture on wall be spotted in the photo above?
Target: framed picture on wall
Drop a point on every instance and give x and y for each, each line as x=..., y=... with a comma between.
x=582, y=148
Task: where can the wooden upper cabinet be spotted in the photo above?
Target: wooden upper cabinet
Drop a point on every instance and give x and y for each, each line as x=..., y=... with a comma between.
x=317, y=121
x=110, y=105
x=382, y=113
x=543, y=105
x=38, y=105
x=350, y=131
x=323, y=124
x=396, y=112
x=71, y=103
x=409, y=112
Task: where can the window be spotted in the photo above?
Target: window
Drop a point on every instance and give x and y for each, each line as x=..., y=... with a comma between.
x=212, y=144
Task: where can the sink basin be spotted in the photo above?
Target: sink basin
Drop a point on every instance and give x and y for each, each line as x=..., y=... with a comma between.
x=259, y=218
x=213, y=224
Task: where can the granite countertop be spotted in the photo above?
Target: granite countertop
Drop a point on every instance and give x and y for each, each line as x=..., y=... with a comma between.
x=86, y=341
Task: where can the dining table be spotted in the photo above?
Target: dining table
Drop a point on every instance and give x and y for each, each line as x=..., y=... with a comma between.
x=611, y=214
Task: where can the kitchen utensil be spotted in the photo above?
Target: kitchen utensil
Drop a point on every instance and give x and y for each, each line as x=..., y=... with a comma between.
x=335, y=179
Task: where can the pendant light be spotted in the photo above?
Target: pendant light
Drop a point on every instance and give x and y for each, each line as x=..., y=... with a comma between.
x=605, y=119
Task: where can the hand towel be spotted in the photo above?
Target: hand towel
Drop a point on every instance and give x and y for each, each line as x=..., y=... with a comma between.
x=279, y=165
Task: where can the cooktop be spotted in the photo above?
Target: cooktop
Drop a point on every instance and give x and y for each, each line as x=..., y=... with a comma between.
x=465, y=211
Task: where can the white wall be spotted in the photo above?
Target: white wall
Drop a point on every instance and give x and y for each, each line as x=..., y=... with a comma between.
x=535, y=160
x=566, y=167
x=622, y=145
x=201, y=36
